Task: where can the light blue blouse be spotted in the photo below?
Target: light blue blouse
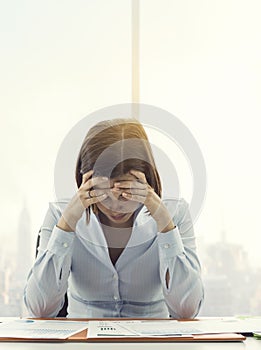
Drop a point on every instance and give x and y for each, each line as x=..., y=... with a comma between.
x=79, y=263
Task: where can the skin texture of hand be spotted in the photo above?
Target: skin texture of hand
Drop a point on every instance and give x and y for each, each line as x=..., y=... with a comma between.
x=81, y=201
x=140, y=191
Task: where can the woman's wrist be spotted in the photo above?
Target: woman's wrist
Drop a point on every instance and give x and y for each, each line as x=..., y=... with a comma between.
x=63, y=225
x=168, y=228
x=164, y=221
x=71, y=215
x=160, y=213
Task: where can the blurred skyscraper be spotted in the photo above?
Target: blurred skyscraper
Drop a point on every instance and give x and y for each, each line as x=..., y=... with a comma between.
x=24, y=260
x=14, y=267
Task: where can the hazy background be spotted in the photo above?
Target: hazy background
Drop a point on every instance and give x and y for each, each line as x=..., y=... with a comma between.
x=200, y=60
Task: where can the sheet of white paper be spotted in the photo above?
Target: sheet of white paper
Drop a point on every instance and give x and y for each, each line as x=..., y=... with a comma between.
x=5, y=320
x=121, y=329
x=162, y=328
x=103, y=329
x=227, y=325
x=40, y=329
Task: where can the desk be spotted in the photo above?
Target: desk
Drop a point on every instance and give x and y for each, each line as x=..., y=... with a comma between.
x=249, y=344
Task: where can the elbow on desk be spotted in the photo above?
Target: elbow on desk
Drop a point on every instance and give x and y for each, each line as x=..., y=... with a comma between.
x=40, y=310
x=188, y=307
x=185, y=311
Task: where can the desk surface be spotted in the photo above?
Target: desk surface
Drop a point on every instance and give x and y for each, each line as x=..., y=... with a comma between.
x=249, y=344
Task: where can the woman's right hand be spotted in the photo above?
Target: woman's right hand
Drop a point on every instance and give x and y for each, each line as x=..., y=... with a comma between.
x=84, y=197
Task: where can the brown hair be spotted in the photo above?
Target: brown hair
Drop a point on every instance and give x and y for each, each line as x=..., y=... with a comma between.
x=112, y=148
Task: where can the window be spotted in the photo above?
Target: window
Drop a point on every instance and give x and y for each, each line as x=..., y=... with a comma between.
x=62, y=60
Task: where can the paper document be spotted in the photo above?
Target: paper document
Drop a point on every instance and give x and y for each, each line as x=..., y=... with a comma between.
x=120, y=329
x=227, y=325
x=171, y=328
x=41, y=329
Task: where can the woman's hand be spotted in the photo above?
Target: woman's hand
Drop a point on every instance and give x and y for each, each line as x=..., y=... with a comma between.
x=140, y=191
x=84, y=197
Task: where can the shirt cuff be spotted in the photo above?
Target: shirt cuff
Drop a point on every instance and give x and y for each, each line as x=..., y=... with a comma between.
x=60, y=242
x=170, y=244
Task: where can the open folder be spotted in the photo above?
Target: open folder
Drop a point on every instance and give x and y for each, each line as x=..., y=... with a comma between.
x=120, y=330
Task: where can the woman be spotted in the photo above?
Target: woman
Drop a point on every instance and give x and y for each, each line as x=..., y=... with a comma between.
x=116, y=247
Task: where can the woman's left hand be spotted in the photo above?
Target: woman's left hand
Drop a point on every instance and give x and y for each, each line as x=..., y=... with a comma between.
x=140, y=191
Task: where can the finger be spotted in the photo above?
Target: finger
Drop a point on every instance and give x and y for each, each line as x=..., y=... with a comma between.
x=135, y=191
x=100, y=197
x=139, y=175
x=92, y=200
x=104, y=185
x=86, y=176
x=96, y=181
x=143, y=192
x=135, y=198
x=98, y=192
x=130, y=184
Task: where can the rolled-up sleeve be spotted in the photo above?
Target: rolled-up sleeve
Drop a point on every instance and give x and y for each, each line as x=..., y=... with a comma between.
x=183, y=291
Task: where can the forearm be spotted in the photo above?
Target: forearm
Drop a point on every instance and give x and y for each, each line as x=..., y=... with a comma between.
x=185, y=292
x=48, y=279
x=71, y=215
x=159, y=213
x=163, y=219
x=180, y=276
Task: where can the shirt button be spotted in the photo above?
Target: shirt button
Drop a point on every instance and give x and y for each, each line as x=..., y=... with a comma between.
x=65, y=245
x=166, y=245
x=115, y=276
x=115, y=297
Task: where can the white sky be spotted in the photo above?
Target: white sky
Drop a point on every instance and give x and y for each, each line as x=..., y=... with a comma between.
x=200, y=60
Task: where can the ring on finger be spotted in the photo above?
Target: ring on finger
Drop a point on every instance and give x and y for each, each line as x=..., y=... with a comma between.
x=90, y=194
